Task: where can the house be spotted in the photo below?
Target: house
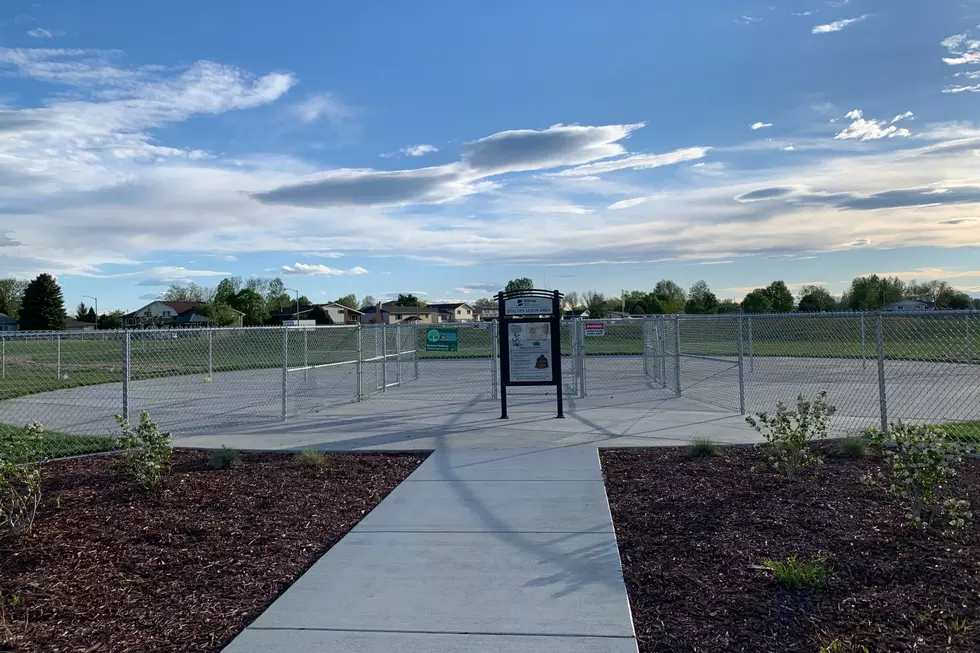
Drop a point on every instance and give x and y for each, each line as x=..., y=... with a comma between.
x=911, y=305
x=487, y=314
x=339, y=313
x=77, y=325
x=456, y=312
x=7, y=323
x=391, y=313
x=173, y=314
x=573, y=313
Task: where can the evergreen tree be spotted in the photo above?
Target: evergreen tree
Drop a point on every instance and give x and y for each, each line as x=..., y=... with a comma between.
x=43, y=307
x=91, y=316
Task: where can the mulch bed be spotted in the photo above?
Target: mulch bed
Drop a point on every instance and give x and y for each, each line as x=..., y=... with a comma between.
x=112, y=568
x=693, y=533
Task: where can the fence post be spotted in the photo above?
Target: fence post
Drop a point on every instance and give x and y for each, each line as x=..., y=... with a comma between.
x=493, y=360
x=3, y=358
x=880, y=347
x=864, y=359
x=580, y=337
x=415, y=348
x=59, y=356
x=398, y=354
x=646, y=347
x=384, y=357
x=210, y=354
x=663, y=350
x=741, y=375
x=285, y=368
x=306, y=356
x=127, y=361
x=358, y=367
x=677, y=354
x=751, y=357
x=969, y=339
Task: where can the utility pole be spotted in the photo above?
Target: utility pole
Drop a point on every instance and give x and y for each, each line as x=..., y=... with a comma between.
x=296, y=316
x=96, y=310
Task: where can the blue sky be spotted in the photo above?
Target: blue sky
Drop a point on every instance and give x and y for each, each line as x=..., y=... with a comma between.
x=446, y=147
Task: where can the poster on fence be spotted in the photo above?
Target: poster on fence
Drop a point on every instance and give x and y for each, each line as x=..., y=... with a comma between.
x=530, y=351
x=595, y=329
x=442, y=339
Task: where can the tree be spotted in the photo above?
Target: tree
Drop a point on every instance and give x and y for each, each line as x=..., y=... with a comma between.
x=595, y=303
x=816, y=299
x=320, y=315
x=368, y=302
x=253, y=305
x=191, y=292
x=727, y=306
x=515, y=285
x=957, y=301
x=700, y=300
x=218, y=313
x=638, y=310
x=276, y=296
x=571, y=300
x=408, y=300
x=779, y=296
x=350, y=301
x=485, y=302
x=757, y=302
x=43, y=305
x=81, y=313
x=11, y=295
x=670, y=295
x=873, y=292
x=91, y=316
x=112, y=320
x=227, y=288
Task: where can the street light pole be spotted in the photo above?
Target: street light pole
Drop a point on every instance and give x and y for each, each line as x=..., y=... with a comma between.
x=96, y=310
x=295, y=317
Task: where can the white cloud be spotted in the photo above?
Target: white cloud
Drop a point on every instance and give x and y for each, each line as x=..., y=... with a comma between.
x=953, y=43
x=320, y=270
x=837, y=25
x=802, y=13
x=946, y=131
x=637, y=162
x=965, y=58
x=745, y=19
x=963, y=89
x=327, y=107
x=908, y=115
x=870, y=130
x=418, y=150
x=39, y=33
x=630, y=203
x=759, y=125
x=969, y=74
x=789, y=148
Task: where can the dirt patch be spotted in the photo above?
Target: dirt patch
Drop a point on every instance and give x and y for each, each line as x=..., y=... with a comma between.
x=693, y=533
x=110, y=568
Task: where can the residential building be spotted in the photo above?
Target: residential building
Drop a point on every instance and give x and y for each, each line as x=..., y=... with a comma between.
x=911, y=305
x=339, y=313
x=456, y=312
x=77, y=325
x=391, y=313
x=7, y=323
x=172, y=314
x=576, y=312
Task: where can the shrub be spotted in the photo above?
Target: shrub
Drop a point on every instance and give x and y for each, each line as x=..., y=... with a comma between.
x=789, y=432
x=853, y=447
x=20, y=477
x=704, y=448
x=311, y=458
x=146, y=451
x=797, y=574
x=225, y=458
x=920, y=462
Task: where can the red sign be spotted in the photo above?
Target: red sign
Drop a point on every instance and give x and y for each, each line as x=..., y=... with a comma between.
x=595, y=328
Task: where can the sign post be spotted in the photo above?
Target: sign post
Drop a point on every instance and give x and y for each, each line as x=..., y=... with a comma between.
x=530, y=342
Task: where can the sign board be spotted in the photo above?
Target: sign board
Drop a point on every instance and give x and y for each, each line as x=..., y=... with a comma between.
x=529, y=349
x=595, y=329
x=442, y=339
x=528, y=306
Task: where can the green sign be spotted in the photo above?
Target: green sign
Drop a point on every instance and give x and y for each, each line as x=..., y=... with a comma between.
x=442, y=339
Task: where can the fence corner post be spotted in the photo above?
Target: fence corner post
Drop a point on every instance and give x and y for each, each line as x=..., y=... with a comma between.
x=210, y=354
x=127, y=360
x=741, y=370
x=285, y=368
x=880, y=348
x=415, y=348
x=751, y=354
x=677, y=354
x=359, y=366
x=969, y=339
x=493, y=360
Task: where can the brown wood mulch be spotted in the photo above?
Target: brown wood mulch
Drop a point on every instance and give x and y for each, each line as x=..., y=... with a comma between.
x=693, y=532
x=111, y=568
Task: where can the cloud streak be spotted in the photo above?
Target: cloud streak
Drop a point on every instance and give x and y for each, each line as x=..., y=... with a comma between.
x=837, y=25
x=318, y=270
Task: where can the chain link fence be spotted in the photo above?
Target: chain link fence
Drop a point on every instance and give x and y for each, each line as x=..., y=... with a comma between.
x=922, y=367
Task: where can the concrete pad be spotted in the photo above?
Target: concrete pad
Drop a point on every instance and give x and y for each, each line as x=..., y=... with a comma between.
x=549, y=464
x=492, y=506
x=514, y=583
x=320, y=641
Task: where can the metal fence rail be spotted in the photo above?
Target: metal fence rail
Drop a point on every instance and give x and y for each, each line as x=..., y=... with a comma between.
x=921, y=367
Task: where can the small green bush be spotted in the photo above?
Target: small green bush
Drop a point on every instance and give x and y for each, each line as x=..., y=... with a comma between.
x=225, y=458
x=145, y=451
x=20, y=478
x=798, y=574
x=921, y=459
x=788, y=433
x=853, y=447
x=704, y=448
x=311, y=458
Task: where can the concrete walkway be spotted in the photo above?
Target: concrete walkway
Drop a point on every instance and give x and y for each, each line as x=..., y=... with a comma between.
x=507, y=550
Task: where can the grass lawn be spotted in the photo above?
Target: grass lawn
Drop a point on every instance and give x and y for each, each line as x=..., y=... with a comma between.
x=63, y=445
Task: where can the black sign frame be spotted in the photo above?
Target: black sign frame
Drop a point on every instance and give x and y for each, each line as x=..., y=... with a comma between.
x=503, y=339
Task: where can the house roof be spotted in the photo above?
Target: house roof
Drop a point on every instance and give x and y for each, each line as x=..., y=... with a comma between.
x=6, y=319
x=179, y=308
x=451, y=306
x=412, y=310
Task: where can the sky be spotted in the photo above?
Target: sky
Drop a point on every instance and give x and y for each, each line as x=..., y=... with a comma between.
x=444, y=147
